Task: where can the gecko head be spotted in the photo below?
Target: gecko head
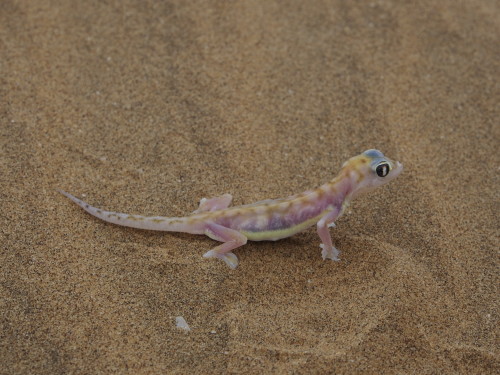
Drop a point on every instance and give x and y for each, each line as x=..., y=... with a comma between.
x=369, y=170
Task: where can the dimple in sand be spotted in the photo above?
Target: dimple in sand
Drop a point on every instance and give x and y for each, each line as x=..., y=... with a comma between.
x=270, y=219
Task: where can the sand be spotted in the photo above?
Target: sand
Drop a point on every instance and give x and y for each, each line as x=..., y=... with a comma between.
x=148, y=106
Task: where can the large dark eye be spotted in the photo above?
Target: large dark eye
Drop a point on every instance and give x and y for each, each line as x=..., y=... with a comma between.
x=383, y=169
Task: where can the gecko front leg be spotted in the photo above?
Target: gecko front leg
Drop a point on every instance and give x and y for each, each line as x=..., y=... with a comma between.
x=329, y=251
x=231, y=238
x=214, y=204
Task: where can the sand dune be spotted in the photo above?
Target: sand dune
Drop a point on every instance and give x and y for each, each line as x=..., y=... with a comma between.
x=146, y=107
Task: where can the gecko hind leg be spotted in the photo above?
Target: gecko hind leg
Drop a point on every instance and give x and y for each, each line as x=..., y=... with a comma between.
x=214, y=204
x=231, y=238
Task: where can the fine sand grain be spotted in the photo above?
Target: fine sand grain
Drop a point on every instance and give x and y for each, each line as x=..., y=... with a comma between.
x=147, y=106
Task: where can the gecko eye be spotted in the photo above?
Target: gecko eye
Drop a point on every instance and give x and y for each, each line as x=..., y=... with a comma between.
x=383, y=169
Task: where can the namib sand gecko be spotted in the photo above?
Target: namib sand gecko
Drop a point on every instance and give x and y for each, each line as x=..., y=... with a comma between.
x=270, y=219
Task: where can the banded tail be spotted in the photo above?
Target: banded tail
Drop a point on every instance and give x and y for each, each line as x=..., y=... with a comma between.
x=159, y=223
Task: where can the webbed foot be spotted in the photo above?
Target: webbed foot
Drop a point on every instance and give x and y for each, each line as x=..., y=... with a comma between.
x=329, y=252
x=229, y=258
x=214, y=204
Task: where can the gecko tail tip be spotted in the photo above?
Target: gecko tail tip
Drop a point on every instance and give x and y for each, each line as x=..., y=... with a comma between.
x=69, y=196
x=63, y=193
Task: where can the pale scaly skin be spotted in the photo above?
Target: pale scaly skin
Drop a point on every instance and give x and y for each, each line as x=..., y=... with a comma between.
x=270, y=219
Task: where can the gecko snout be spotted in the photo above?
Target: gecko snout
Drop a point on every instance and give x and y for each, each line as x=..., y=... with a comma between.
x=398, y=168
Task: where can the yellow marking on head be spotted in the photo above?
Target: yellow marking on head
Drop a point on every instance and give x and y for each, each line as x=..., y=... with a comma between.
x=360, y=176
x=355, y=166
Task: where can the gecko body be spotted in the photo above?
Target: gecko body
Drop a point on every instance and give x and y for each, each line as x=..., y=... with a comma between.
x=270, y=219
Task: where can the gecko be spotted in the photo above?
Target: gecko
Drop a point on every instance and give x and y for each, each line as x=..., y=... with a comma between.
x=271, y=219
